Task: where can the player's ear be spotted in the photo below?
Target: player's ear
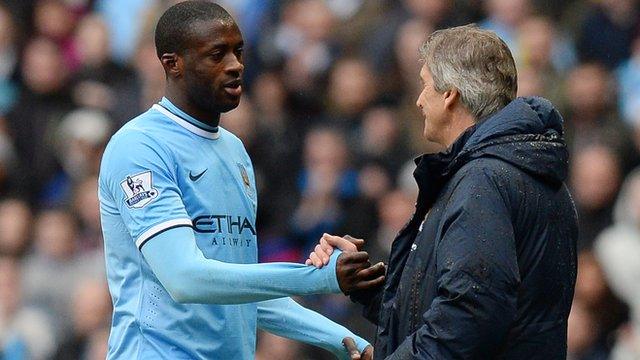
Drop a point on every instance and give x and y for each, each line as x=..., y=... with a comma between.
x=172, y=64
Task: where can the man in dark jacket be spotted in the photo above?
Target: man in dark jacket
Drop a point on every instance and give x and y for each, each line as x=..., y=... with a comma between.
x=486, y=266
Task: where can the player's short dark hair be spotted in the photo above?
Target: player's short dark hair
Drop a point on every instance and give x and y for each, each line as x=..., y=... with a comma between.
x=174, y=27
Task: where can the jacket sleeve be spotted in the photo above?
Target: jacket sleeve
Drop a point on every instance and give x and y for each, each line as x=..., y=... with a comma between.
x=371, y=299
x=477, y=276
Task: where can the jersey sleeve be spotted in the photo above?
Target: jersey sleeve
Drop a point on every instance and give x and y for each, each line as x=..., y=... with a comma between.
x=139, y=176
x=287, y=318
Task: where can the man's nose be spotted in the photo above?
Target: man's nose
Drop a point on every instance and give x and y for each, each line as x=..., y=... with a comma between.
x=235, y=65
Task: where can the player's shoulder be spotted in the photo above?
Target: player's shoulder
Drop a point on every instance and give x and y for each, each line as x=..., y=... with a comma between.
x=233, y=140
x=229, y=136
x=138, y=138
x=144, y=129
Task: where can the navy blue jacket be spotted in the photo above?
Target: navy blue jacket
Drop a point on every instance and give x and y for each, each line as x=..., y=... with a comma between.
x=486, y=267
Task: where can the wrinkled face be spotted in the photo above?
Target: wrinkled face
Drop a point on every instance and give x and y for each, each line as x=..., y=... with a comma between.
x=213, y=66
x=432, y=105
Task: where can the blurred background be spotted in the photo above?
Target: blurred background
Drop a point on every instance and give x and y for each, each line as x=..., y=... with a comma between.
x=329, y=119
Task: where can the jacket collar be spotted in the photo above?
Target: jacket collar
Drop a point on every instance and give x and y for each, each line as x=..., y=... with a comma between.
x=433, y=170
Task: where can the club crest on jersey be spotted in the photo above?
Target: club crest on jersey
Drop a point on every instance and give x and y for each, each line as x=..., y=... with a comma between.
x=245, y=180
x=139, y=190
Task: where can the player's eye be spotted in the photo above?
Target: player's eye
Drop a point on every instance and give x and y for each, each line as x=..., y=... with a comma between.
x=239, y=51
x=217, y=55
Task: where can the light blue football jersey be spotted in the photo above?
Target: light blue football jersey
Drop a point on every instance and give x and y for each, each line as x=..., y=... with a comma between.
x=162, y=170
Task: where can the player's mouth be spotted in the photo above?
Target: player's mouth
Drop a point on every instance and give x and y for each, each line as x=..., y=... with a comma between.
x=233, y=88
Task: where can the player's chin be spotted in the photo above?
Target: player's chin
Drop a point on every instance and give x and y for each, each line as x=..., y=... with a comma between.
x=228, y=105
x=228, y=102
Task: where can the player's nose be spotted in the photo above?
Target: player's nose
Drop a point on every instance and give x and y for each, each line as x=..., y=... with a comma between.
x=235, y=65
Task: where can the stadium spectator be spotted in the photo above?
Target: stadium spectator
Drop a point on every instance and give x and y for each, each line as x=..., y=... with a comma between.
x=538, y=41
x=91, y=306
x=303, y=45
x=15, y=222
x=55, y=20
x=394, y=208
x=607, y=31
x=100, y=82
x=42, y=103
x=123, y=20
x=78, y=143
x=55, y=248
x=583, y=335
x=596, y=305
x=149, y=73
x=504, y=17
x=617, y=249
x=410, y=35
x=276, y=153
x=595, y=177
x=328, y=189
x=351, y=90
x=87, y=209
x=26, y=332
x=379, y=139
x=591, y=115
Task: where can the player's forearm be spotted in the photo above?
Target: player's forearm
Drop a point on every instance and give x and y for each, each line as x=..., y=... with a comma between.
x=191, y=278
x=287, y=318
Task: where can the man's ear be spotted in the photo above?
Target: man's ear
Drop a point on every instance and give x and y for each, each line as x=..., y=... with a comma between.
x=451, y=97
x=172, y=64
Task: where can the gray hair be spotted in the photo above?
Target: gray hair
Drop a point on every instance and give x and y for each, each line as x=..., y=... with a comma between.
x=477, y=63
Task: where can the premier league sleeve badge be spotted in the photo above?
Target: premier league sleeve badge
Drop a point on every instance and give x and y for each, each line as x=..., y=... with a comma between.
x=139, y=190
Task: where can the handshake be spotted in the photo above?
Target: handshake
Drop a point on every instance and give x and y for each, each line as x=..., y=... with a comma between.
x=353, y=268
x=354, y=273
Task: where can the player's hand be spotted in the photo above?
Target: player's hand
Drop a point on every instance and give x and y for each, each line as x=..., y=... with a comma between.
x=321, y=253
x=354, y=272
x=354, y=353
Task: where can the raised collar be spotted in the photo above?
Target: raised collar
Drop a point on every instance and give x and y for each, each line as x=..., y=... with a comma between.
x=434, y=170
x=185, y=120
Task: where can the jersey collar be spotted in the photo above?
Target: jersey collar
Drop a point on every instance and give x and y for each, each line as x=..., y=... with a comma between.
x=185, y=120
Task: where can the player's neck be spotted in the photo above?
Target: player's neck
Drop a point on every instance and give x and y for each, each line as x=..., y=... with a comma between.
x=181, y=102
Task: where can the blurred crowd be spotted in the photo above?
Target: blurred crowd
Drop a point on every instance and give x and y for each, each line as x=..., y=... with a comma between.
x=330, y=121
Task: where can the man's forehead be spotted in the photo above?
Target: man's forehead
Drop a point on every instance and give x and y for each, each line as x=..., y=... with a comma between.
x=215, y=30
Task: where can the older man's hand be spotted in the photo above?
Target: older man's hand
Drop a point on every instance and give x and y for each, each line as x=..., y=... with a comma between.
x=320, y=255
